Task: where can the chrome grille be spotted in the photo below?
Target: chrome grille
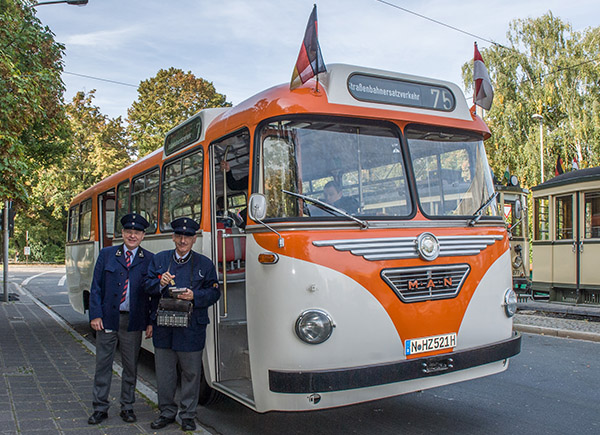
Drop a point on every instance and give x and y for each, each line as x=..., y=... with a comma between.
x=415, y=284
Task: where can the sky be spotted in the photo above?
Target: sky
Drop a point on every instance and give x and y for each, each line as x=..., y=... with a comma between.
x=244, y=47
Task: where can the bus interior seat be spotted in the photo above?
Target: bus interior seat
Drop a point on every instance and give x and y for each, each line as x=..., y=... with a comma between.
x=235, y=252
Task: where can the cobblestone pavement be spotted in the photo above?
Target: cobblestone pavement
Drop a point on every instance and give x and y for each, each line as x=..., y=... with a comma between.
x=582, y=322
x=46, y=375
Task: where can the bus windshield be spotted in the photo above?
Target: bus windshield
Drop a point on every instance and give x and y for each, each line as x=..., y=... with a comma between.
x=356, y=168
x=451, y=172
x=359, y=169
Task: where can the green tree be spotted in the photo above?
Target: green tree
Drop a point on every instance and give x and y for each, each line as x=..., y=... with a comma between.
x=32, y=120
x=164, y=101
x=551, y=70
x=97, y=149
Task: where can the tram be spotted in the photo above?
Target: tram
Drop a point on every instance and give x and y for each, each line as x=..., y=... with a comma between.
x=397, y=280
x=566, y=242
x=512, y=202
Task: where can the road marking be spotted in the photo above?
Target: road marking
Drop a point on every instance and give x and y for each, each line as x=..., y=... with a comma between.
x=27, y=280
x=62, y=281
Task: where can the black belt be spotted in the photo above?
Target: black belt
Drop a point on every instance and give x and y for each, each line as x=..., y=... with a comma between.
x=123, y=312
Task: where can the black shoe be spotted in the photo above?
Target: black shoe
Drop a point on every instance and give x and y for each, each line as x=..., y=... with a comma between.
x=188, y=424
x=161, y=422
x=128, y=416
x=97, y=417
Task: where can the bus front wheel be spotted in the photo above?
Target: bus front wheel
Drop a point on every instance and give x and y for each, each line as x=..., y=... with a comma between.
x=208, y=396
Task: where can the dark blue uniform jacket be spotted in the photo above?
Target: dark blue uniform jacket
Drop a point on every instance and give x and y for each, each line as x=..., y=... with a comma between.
x=197, y=274
x=107, y=287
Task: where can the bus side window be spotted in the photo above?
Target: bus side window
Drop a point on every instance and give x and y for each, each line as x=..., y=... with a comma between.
x=144, y=198
x=85, y=220
x=122, y=206
x=182, y=189
x=73, y=223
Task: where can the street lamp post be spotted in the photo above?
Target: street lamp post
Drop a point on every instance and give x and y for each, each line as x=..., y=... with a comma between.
x=69, y=2
x=540, y=119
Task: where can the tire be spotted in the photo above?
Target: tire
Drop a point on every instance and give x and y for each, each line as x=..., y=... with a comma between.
x=208, y=396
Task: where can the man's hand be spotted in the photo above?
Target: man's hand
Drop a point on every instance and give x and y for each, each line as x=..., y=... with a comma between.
x=148, y=332
x=97, y=324
x=188, y=295
x=225, y=166
x=166, y=279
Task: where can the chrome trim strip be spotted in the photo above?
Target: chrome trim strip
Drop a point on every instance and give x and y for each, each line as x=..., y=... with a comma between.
x=394, y=248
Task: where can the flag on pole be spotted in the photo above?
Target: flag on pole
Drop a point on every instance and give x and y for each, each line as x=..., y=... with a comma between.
x=310, y=60
x=574, y=164
x=560, y=167
x=484, y=93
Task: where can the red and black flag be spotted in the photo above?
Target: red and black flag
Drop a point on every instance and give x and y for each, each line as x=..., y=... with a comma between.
x=560, y=167
x=310, y=60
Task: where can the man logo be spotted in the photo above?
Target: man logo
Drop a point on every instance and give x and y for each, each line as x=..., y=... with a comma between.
x=314, y=398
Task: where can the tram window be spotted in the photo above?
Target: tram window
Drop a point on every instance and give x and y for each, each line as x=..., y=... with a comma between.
x=85, y=220
x=451, y=171
x=365, y=161
x=182, y=189
x=564, y=217
x=592, y=215
x=73, y=223
x=122, y=205
x=542, y=218
x=144, y=198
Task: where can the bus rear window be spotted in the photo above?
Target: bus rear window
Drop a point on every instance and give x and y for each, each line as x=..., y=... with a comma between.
x=85, y=220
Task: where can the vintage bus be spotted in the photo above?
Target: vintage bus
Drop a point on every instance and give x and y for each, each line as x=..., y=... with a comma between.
x=512, y=202
x=372, y=260
x=566, y=242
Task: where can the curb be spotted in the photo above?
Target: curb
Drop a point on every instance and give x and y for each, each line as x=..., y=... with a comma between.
x=556, y=332
x=141, y=386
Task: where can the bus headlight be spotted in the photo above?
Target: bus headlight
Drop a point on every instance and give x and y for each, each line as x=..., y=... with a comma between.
x=314, y=326
x=510, y=302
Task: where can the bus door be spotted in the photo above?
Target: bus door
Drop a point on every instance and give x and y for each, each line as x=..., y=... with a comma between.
x=228, y=216
x=106, y=218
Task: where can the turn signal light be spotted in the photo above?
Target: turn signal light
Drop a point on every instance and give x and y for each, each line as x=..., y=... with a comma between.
x=268, y=258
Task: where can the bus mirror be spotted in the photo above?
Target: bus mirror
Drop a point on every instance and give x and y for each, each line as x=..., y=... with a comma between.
x=257, y=208
x=518, y=209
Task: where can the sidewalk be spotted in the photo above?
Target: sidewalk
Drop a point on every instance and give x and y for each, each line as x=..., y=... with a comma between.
x=47, y=372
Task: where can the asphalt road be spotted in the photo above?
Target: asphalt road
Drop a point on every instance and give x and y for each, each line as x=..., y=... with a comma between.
x=551, y=387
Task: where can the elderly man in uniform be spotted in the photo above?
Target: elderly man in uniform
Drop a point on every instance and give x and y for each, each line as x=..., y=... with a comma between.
x=119, y=312
x=184, y=269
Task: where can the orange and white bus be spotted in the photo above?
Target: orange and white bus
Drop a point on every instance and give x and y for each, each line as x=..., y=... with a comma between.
x=402, y=284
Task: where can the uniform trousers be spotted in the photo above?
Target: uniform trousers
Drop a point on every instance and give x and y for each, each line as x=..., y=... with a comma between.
x=190, y=363
x=106, y=345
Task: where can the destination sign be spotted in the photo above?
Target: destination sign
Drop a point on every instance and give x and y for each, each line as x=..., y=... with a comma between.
x=187, y=134
x=400, y=92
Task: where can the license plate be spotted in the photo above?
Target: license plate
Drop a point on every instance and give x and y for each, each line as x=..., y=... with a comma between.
x=428, y=344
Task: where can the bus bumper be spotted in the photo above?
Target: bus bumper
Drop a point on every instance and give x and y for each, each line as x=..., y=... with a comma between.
x=322, y=381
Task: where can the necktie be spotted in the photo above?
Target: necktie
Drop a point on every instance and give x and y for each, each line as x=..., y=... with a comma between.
x=127, y=263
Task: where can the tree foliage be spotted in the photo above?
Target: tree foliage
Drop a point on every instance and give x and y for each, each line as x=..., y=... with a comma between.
x=164, y=101
x=551, y=70
x=97, y=149
x=32, y=119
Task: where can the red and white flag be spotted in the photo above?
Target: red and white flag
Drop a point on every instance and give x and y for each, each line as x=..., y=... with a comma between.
x=484, y=93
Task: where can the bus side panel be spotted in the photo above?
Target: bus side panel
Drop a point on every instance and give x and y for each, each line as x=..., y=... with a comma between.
x=80, y=259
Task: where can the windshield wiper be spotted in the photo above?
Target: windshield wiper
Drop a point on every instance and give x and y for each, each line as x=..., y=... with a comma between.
x=477, y=215
x=327, y=207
